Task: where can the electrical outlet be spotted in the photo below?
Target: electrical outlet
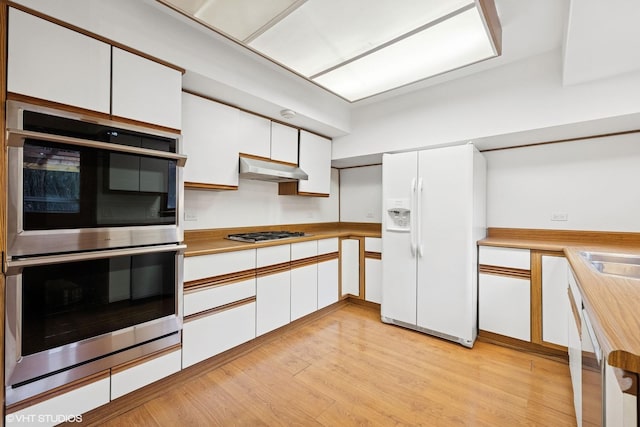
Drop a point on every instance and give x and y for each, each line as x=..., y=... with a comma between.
x=370, y=215
x=559, y=216
x=190, y=215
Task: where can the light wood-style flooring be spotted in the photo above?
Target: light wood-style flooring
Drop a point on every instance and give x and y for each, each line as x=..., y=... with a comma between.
x=348, y=368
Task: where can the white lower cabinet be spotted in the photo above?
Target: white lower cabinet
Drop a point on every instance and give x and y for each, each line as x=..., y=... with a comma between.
x=574, y=346
x=327, y=283
x=206, y=336
x=554, y=300
x=68, y=406
x=373, y=280
x=505, y=306
x=350, y=266
x=273, y=299
x=126, y=380
x=304, y=291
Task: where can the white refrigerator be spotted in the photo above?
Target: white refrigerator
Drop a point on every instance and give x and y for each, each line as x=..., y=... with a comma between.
x=434, y=212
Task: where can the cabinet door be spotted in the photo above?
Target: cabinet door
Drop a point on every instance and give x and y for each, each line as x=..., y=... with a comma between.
x=145, y=90
x=304, y=291
x=204, y=337
x=350, y=268
x=315, y=160
x=554, y=300
x=273, y=296
x=210, y=141
x=504, y=306
x=284, y=143
x=74, y=402
x=575, y=354
x=125, y=381
x=373, y=280
x=51, y=62
x=254, y=135
x=327, y=283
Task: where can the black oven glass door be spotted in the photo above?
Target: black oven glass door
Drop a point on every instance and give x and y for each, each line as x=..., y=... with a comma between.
x=70, y=187
x=70, y=302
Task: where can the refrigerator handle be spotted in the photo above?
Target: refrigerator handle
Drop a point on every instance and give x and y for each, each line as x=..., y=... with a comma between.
x=419, y=245
x=412, y=218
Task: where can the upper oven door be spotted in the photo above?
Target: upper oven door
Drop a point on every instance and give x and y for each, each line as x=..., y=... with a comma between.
x=75, y=185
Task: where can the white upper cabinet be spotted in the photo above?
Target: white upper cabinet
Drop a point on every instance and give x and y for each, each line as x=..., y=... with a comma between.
x=261, y=137
x=145, y=90
x=51, y=62
x=315, y=160
x=284, y=143
x=210, y=141
x=254, y=133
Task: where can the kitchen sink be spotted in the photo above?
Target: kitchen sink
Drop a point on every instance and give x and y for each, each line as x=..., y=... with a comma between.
x=613, y=264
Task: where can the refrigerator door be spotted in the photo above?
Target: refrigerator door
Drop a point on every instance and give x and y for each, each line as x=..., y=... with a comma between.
x=399, y=258
x=445, y=294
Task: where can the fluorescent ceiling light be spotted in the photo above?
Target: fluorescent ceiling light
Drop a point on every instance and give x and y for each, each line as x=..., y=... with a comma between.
x=357, y=48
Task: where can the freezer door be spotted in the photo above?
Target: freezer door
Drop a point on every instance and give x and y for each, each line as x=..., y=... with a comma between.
x=445, y=284
x=398, y=255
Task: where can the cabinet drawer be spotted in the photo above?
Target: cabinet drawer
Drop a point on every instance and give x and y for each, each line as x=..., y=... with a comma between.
x=505, y=257
x=327, y=246
x=130, y=379
x=504, y=306
x=373, y=244
x=207, y=336
x=218, y=295
x=203, y=266
x=273, y=255
x=304, y=250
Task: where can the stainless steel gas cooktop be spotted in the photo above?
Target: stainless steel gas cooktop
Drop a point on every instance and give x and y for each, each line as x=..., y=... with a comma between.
x=264, y=236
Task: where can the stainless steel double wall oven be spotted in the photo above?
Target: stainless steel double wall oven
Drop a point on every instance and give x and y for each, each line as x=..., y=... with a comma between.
x=94, y=260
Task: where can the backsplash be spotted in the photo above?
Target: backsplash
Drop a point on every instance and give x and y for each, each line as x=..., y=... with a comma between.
x=257, y=203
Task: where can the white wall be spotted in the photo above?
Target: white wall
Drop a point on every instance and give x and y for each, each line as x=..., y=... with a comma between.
x=595, y=182
x=257, y=203
x=518, y=97
x=361, y=194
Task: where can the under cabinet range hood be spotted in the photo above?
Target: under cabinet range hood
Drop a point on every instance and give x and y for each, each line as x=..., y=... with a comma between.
x=264, y=170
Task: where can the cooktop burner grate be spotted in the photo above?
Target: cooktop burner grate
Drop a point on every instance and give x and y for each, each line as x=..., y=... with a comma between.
x=264, y=235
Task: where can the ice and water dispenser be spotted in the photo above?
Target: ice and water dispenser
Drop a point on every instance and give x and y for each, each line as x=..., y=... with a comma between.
x=399, y=215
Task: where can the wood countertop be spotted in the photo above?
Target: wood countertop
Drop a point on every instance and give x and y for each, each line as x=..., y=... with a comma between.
x=612, y=302
x=205, y=242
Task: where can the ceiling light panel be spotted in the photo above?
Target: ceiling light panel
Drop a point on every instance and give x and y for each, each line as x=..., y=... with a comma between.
x=451, y=44
x=321, y=34
x=240, y=18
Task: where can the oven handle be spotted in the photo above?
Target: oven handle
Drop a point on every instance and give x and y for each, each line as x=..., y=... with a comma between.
x=15, y=138
x=15, y=266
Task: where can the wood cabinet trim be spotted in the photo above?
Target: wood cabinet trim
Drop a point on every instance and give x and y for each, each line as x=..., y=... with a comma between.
x=536, y=297
x=304, y=193
x=93, y=35
x=145, y=124
x=219, y=309
x=574, y=310
x=304, y=262
x=273, y=269
x=222, y=280
x=372, y=255
x=488, y=10
x=144, y=359
x=58, y=106
x=204, y=186
x=504, y=271
x=74, y=385
x=493, y=338
x=328, y=257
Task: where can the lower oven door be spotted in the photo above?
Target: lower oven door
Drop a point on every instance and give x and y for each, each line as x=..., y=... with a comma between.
x=66, y=311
